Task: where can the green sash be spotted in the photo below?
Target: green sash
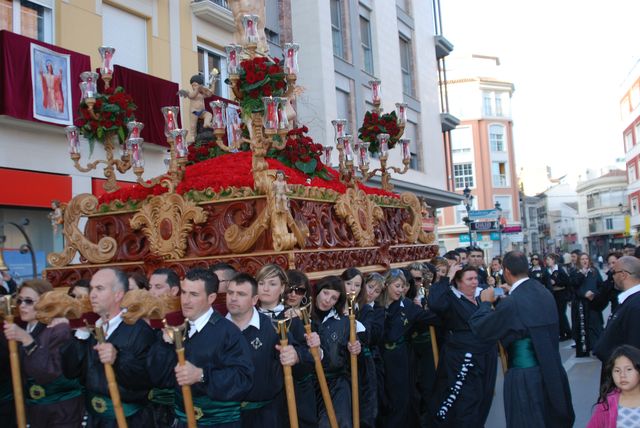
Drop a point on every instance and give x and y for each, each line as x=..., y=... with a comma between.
x=164, y=397
x=208, y=412
x=253, y=405
x=522, y=355
x=100, y=405
x=60, y=389
x=390, y=346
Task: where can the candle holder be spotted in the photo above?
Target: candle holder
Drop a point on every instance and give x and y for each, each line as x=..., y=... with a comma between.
x=106, y=54
x=384, y=170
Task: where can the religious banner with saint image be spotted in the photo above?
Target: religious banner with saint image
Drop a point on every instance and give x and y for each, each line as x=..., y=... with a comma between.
x=51, y=85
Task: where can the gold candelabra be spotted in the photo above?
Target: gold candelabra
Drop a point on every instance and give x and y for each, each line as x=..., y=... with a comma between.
x=350, y=154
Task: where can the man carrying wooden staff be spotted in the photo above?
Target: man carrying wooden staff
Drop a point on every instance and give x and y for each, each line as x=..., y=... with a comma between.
x=355, y=398
x=218, y=365
x=263, y=405
x=123, y=353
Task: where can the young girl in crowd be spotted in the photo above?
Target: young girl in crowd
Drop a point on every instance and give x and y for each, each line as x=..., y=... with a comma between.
x=619, y=401
x=332, y=326
x=372, y=318
x=401, y=315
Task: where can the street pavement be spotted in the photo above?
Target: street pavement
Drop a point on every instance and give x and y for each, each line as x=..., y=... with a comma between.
x=584, y=381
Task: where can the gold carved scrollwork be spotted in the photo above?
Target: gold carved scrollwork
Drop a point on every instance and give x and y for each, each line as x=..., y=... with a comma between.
x=166, y=221
x=360, y=213
x=102, y=252
x=413, y=230
x=277, y=215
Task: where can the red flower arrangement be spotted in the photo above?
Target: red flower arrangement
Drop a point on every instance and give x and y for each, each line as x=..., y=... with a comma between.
x=259, y=77
x=302, y=153
x=232, y=170
x=113, y=110
x=375, y=124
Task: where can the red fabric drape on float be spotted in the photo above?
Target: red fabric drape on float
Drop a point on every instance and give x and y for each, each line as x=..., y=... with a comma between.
x=149, y=94
x=16, y=96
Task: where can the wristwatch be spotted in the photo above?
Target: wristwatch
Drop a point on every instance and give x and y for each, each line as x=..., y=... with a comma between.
x=202, y=377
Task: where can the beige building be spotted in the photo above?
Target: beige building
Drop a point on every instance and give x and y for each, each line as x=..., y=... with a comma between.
x=482, y=150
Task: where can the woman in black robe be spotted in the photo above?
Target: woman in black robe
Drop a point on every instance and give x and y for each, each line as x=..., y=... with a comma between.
x=401, y=316
x=52, y=400
x=372, y=318
x=586, y=318
x=466, y=375
x=329, y=321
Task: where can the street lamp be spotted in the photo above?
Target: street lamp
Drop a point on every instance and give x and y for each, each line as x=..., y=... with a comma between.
x=24, y=248
x=468, y=200
x=497, y=207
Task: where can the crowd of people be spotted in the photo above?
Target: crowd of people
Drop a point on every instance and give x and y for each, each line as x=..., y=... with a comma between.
x=429, y=340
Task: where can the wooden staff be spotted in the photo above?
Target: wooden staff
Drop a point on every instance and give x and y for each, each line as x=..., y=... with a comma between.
x=16, y=377
x=434, y=345
x=322, y=380
x=503, y=358
x=355, y=396
x=176, y=334
x=288, y=378
x=114, y=393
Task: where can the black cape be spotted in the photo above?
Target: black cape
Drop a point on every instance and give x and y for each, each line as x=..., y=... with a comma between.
x=530, y=311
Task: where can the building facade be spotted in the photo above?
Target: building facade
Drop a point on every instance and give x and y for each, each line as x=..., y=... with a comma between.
x=602, y=203
x=482, y=149
x=630, y=120
x=559, y=224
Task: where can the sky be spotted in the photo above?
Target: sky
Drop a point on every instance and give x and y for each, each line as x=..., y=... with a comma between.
x=567, y=60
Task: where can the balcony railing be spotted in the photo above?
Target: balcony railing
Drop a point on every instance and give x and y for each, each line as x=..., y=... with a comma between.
x=222, y=3
x=500, y=181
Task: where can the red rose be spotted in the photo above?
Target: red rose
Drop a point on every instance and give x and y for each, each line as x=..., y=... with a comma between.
x=280, y=84
x=254, y=94
x=276, y=60
x=274, y=69
x=266, y=90
x=260, y=76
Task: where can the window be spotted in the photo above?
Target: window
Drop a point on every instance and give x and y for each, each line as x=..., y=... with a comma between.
x=207, y=61
x=634, y=206
x=403, y=4
x=343, y=101
x=496, y=138
x=499, y=174
x=461, y=140
x=411, y=132
x=628, y=141
x=593, y=200
x=365, y=41
x=637, y=128
x=406, y=65
x=631, y=170
x=272, y=22
x=498, y=105
x=336, y=29
x=463, y=175
x=635, y=96
x=608, y=223
x=27, y=18
x=128, y=34
x=487, y=105
x=505, y=206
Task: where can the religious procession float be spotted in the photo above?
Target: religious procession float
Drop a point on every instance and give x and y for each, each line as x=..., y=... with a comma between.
x=249, y=188
x=244, y=185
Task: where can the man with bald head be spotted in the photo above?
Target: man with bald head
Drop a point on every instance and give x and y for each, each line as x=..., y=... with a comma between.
x=125, y=348
x=622, y=327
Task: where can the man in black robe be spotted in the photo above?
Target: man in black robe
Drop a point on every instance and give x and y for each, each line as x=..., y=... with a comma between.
x=536, y=388
x=622, y=327
x=125, y=348
x=218, y=367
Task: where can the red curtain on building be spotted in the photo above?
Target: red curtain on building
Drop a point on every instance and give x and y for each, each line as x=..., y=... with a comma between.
x=16, y=96
x=150, y=94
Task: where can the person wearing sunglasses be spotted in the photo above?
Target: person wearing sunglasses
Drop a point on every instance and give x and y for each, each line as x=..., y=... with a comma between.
x=536, y=270
x=51, y=398
x=272, y=283
x=372, y=318
x=401, y=316
x=466, y=375
x=297, y=292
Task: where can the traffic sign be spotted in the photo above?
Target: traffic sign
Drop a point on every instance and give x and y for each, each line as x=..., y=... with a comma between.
x=482, y=214
x=484, y=226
